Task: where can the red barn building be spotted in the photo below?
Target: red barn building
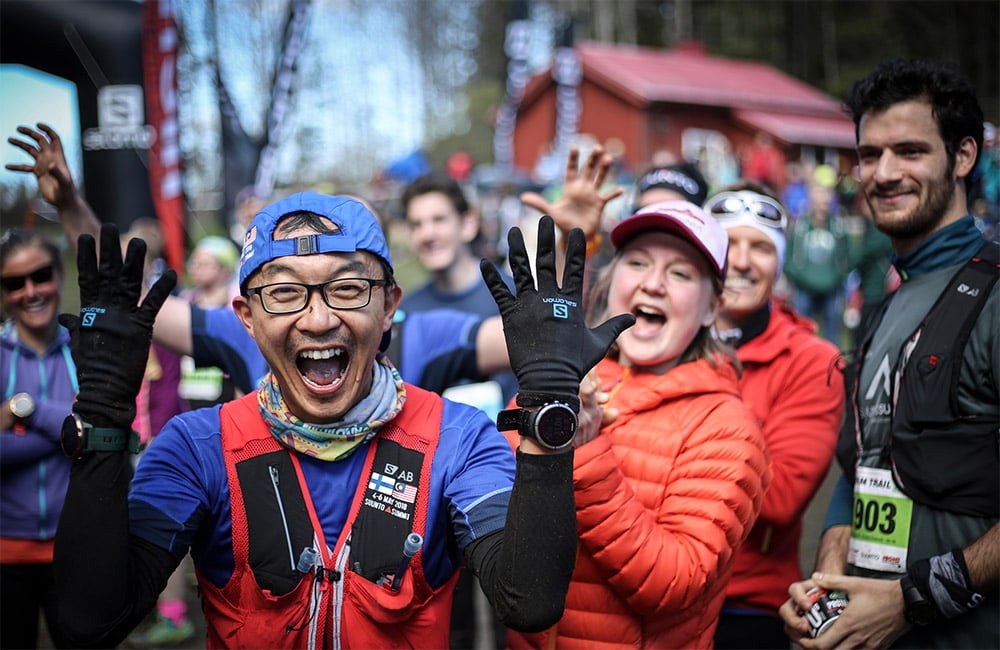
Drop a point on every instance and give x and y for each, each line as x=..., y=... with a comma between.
x=699, y=107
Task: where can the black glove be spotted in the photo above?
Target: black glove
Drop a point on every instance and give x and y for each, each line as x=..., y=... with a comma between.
x=549, y=344
x=111, y=336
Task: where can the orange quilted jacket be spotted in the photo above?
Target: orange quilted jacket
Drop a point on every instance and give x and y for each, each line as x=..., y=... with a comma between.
x=664, y=496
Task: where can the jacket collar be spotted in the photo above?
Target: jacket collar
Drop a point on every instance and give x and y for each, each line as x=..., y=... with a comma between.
x=952, y=245
x=783, y=326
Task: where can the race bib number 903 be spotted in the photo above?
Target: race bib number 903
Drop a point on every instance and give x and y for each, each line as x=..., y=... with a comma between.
x=880, y=528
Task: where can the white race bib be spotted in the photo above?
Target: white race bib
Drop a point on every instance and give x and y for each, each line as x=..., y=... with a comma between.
x=880, y=529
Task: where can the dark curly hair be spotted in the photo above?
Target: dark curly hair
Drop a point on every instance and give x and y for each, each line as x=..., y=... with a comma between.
x=952, y=96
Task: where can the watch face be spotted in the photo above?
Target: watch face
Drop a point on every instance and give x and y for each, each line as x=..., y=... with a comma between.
x=555, y=425
x=21, y=405
x=72, y=436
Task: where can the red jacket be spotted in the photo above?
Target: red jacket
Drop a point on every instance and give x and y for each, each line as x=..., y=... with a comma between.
x=793, y=383
x=664, y=496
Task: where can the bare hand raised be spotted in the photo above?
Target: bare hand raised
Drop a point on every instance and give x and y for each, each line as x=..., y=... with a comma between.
x=49, y=167
x=582, y=202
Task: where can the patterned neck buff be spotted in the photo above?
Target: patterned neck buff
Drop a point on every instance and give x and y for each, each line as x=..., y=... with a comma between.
x=337, y=440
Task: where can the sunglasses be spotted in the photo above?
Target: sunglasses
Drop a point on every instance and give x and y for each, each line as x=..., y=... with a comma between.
x=765, y=210
x=16, y=282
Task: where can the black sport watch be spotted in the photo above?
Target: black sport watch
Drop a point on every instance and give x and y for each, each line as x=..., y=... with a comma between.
x=918, y=610
x=79, y=438
x=553, y=426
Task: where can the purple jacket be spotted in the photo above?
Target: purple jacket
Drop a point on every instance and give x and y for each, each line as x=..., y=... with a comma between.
x=34, y=472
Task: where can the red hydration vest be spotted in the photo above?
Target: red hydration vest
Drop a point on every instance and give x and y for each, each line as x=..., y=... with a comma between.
x=334, y=605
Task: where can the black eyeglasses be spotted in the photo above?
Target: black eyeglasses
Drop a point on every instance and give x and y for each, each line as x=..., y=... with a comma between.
x=16, y=282
x=734, y=204
x=290, y=297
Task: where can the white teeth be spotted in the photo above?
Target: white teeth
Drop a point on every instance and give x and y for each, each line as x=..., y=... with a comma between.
x=321, y=354
x=738, y=283
x=649, y=311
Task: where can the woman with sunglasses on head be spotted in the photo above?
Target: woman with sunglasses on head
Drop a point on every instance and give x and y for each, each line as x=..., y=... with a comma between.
x=37, y=386
x=669, y=466
x=792, y=381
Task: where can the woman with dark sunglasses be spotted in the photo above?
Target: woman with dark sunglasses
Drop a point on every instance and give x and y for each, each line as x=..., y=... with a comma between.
x=37, y=386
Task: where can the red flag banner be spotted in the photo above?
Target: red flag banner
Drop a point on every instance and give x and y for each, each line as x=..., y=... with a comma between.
x=159, y=59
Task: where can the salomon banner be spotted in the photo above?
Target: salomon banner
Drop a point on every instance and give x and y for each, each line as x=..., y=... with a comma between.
x=97, y=46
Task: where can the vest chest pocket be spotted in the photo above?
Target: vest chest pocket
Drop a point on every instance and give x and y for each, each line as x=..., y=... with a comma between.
x=412, y=617
x=964, y=458
x=388, y=511
x=278, y=523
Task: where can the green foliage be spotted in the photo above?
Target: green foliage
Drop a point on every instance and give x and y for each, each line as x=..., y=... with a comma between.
x=826, y=43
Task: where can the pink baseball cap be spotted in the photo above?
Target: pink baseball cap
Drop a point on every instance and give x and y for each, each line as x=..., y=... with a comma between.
x=684, y=219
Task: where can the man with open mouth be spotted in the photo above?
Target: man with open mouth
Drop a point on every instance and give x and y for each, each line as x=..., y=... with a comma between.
x=334, y=505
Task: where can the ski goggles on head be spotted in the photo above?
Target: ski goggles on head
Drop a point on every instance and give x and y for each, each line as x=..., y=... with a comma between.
x=762, y=209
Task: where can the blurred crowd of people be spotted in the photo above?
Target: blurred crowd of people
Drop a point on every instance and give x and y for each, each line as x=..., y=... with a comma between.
x=838, y=265
x=759, y=301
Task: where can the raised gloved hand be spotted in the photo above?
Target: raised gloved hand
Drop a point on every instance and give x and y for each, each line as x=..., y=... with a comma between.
x=549, y=344
x=111, y=336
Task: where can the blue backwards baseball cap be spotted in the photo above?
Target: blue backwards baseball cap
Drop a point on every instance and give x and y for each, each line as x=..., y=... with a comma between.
x=359, y=230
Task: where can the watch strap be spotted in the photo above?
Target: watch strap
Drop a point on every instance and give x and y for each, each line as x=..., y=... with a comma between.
x=111, y=439
x=512, y=419
x=526, y=423
x=917, y=608
x=87, y=438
